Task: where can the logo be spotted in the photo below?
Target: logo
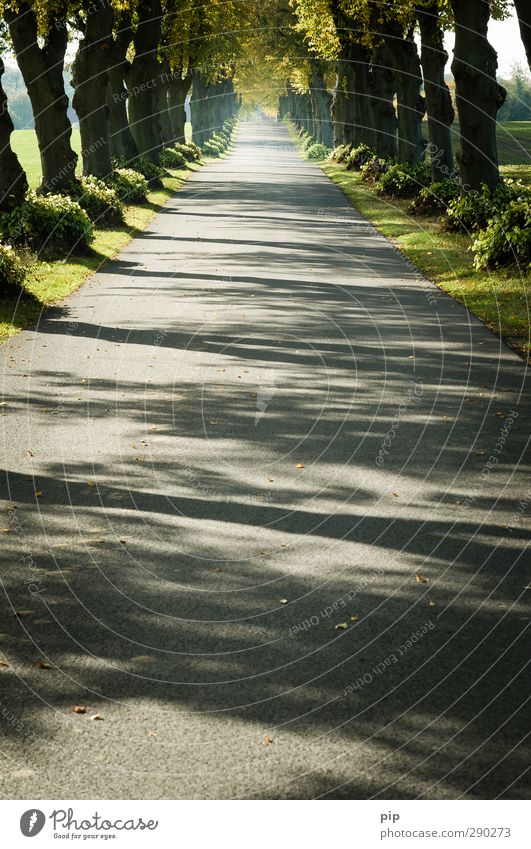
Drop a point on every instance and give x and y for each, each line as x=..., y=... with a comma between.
x=32, y=822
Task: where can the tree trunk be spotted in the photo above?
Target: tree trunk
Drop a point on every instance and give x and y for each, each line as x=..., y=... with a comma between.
x=142, y=79
x=178, y=88
x=523, y=11
x=363, y=130
x=121, y=142
x=438, y=99
x=200, y=110
x=382, y=89
x=42, y=71
x=410, y=103
x=166, y=131
x=478, y=95
x=321, y=102
x=90, y=81
x=13, y=182
x=341, y=108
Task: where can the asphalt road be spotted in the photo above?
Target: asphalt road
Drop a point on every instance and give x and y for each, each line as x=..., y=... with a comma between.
x=256, y=424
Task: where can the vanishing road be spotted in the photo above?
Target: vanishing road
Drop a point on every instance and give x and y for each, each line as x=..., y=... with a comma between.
x=259, y=423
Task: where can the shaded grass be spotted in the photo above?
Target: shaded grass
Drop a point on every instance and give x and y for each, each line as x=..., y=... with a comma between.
x=50, y=282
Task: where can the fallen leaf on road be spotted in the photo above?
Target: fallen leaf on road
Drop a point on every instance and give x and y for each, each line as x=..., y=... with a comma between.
x=354, y=618
x=5, y=530
x=41, y=664
x=22, y=613
x=4, y=664
x=38, y=493
x=395, y=494
x=342, y=626
x=96, y=716
x=421, y=579
x=79, y=709
x=299, y=466
x=268, y=740
x=152, y=733
x=431, y=604
x=283, y=601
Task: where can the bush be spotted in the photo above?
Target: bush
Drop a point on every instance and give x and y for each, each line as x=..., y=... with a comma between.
x=100, y=202
x=435, y=198
x=12, y=271
x=358, y=156
x=170, y=157
x=507, y=238
x=153, y=173
x=473, y=210
x=190, y=152
x=130, y=186
x=318, y=151
x=340, y=153
x=211, y=148
x=53, y=225
x=374, y=169
x=308, y=142
x=404, y=180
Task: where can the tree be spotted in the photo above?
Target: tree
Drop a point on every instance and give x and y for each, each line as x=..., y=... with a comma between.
x=142, y=80
x=90, y=77
x=121, y=142
x=478, y=94
x=13, y=181
x=439, y=107
x=39, y=37
x=523, y=11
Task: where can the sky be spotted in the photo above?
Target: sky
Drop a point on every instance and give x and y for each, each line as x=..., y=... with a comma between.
x=506, y=39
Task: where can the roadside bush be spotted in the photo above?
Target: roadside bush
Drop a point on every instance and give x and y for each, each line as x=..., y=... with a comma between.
x=435, y=198
x=100, y=202
x=374, y=169
x=473, y=211
x=507, y=238
x=340, y=153
x=308, y=142
x=170, y=157
x=212, y=148
x=52, y=225
x=12, y=271
x=130, y=186
x=191, y=152
x=358, y=156
x=153, y=173
x=404, y=180
x=318, y=151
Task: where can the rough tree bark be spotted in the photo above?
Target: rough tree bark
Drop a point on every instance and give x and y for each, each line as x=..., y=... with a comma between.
x=410, y=103
x=178, y=89
x=90, y=81
x=439, y=107
x=121, y=142
x=342, y=107
x=321, y=102
x=363, y=132
x=478, y=95
x=200, y=110
x=382, y=89
x=142, y=79
x=523, y=11
x=166, y=130
x=13, y=182
x=42, y=70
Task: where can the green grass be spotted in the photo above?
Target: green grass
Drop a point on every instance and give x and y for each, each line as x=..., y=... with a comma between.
x=513, y=138
x=499, y=299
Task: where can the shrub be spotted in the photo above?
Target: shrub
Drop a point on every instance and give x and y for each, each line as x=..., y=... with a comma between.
x=100, y=202
x=340, y=153
x=318, y=151
x=153, y=173
x=53, y=225
x=308, y=142
x=172, y=158
x=507, y=237
x=374, y=169
x=12, y=271
x=211, y=148
x=358, y=156
x=435, y=198
x=473, y=210
x=191, y=152
x=404, y=180
x=130, y=185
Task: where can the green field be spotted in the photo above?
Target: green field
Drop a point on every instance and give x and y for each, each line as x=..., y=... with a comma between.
x=514, y=142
